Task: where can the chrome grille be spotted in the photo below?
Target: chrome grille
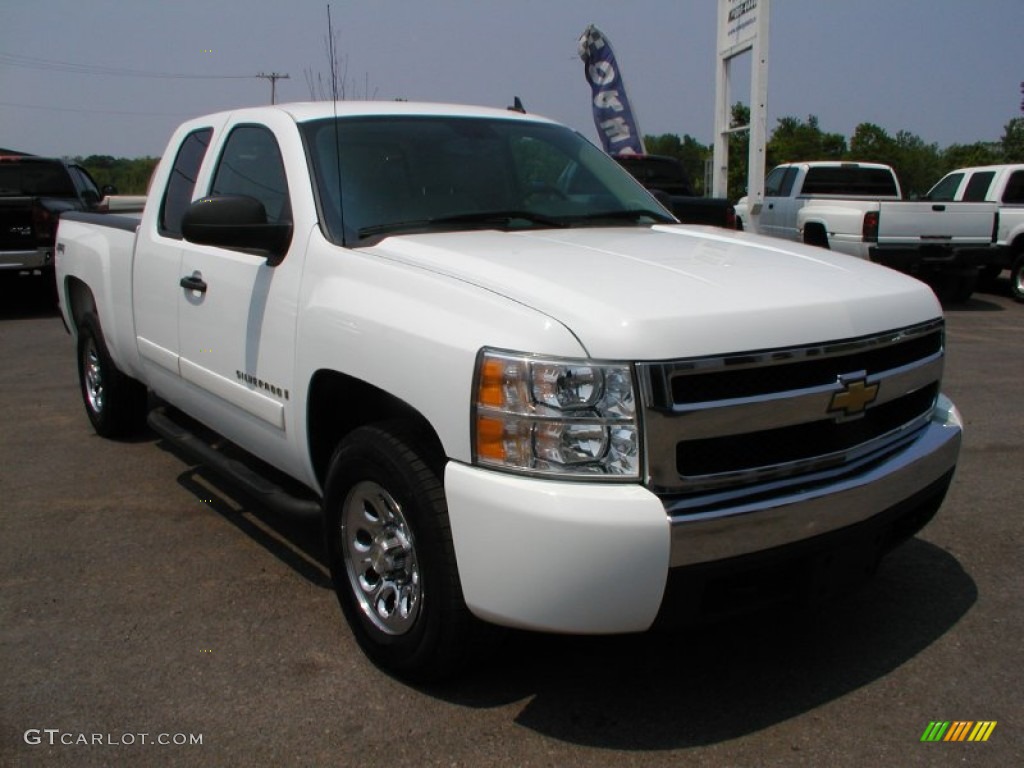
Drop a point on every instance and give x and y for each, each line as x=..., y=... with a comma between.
x=781, y=417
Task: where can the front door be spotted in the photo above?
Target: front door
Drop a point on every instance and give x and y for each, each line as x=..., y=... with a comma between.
x=237, y=314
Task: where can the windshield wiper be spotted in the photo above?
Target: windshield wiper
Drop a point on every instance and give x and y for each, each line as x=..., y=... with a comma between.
x=393, y=226
x=504, y=219
x=629, y=214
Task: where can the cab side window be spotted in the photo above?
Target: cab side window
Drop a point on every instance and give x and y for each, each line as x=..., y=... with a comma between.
x=945, y=190
x=182, y=181
x=773, y=184
x=251, y=165
x=780, y=181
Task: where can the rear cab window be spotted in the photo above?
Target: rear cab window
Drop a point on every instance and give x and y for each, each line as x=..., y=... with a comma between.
x=32, y=177
x=850, y=180
x=978, y=185
x=1014, y=192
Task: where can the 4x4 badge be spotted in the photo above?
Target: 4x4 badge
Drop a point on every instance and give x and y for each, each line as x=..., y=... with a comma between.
x=854, y=397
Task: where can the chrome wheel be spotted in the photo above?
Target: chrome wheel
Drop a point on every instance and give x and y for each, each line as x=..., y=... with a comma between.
x=92, y=372
x=380, y=558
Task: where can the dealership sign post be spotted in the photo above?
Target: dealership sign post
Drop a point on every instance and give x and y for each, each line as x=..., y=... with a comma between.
x=742, y=27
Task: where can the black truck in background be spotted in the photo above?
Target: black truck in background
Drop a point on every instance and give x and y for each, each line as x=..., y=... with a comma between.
x=34, y=192
x=667, y=178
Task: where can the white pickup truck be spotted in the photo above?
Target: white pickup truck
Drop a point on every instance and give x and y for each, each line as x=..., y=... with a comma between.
x=857, y=208
x=521, y=393
x=1004, y=186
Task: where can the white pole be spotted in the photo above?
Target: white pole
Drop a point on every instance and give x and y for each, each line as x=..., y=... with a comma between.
x=758, y=115
x=720, y=174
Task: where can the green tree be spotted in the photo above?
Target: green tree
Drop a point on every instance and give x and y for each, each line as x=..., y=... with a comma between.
x=870, y=143
x=794, y=140
x=129, y=176
x=965, y=155
x=917, y=165
x=1013, y=141
x=691, y=153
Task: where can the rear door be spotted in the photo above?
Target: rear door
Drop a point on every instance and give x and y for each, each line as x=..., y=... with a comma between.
x=156, y=273
x=778, y=216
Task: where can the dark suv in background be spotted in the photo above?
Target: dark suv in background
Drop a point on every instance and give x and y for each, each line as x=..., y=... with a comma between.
x=34, y=191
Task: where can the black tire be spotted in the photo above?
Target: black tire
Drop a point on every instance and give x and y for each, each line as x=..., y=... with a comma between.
x=989, y=276
x=955, y=287
x=114, y=402
x=1017, y=278
x=390, y=552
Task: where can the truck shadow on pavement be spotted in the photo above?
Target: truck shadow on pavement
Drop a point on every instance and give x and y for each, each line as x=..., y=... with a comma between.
x=981, y=299
x=295, y=541
x=977, y=303
x=698, y=687
x=26, y=296
x=671, y=689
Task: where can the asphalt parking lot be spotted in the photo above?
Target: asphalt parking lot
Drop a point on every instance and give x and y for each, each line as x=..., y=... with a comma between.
x=144, y=608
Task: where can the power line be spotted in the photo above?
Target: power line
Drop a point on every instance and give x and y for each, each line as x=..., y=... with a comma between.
x=49, y=65
x=93, y=111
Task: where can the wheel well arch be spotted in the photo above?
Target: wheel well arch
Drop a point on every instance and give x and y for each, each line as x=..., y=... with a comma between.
x=338, y=403
x=816, y=234
x=80, y=301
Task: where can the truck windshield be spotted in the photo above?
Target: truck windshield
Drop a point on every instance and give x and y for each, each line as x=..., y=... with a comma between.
x=377, y=176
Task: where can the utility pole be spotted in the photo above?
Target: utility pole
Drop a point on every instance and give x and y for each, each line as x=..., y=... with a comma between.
x=273, y=77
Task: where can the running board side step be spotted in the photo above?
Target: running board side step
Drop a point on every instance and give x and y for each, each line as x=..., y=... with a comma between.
x=262, y=490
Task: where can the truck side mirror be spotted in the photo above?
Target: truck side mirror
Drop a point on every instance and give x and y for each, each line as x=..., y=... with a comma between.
x=236, y=221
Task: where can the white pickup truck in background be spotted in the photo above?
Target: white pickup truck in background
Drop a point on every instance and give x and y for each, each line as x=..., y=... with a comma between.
x=520, y=393
x=1004, y=186
x=857, y=208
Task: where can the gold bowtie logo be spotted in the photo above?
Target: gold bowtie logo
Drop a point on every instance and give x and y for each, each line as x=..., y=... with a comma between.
x=854, y=397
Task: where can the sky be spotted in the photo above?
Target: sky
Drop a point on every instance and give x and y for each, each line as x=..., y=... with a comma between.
x=948, y=71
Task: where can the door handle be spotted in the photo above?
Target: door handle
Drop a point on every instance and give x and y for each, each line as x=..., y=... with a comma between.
x=194, y=282
x=938, y=207
x=771, y=206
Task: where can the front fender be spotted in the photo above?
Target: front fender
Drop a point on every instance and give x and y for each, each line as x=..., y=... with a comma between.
x=411, y=333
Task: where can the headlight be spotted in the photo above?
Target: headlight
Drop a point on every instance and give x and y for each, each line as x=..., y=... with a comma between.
x=548, y=416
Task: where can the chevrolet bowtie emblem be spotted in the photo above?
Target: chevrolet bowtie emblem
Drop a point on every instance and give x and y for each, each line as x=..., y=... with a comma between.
x=854, y=397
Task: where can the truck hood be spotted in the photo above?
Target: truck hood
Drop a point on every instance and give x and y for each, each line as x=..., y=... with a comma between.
x=648, y=293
